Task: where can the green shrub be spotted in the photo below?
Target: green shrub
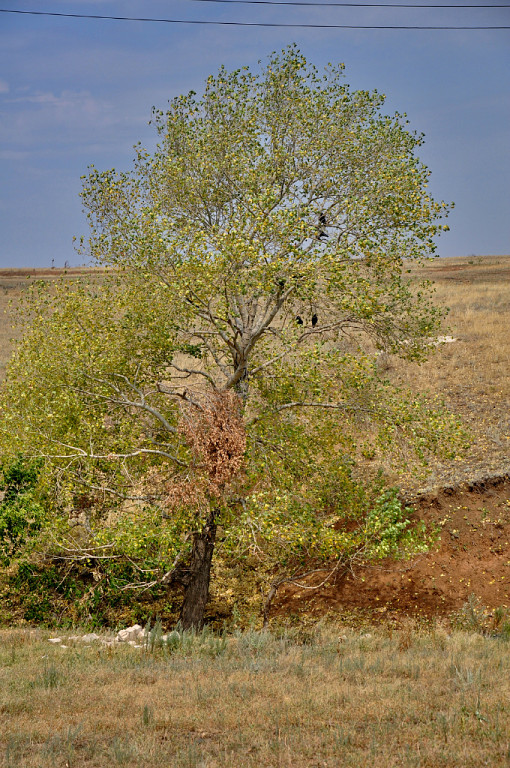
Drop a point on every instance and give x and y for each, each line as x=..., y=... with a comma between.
x=21, y=513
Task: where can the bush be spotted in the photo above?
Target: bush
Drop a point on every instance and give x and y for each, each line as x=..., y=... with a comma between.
x=21, y=513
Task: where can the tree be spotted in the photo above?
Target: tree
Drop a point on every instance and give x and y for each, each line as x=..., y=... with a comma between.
x=254, y=261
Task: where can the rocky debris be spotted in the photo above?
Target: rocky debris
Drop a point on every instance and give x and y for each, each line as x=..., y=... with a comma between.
x=135, y=636
x=131, y=635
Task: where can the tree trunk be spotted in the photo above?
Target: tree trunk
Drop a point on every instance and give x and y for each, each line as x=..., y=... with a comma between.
x=197, y=578
x=242, y=386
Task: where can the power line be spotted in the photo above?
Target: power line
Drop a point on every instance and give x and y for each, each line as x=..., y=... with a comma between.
x=346, y=5
x=242, y=23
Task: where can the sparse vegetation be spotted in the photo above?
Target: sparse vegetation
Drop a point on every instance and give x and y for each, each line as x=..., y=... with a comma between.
x=472, y=373
x=304, y=697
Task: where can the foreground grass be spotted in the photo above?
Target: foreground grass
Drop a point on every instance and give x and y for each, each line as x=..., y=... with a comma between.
x=317, y=698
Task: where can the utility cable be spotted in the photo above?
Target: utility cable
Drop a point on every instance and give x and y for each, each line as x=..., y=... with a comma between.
x=242, y=23
x=346, y=5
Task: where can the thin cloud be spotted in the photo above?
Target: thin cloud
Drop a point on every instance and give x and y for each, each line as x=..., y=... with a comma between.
x=56, y=119
x=66, y=100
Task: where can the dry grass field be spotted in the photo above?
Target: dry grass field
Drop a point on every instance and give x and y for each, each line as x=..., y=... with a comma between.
x=472, y=373
x=322, y=698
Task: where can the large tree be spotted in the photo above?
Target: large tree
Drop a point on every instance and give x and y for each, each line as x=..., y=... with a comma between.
x=220, y=370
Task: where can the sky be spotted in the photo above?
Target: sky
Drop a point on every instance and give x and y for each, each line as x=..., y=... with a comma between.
x=79, y=92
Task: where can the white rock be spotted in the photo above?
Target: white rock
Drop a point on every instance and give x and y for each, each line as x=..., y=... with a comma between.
x=90, y=637
x=55, y=640
x=133, y=633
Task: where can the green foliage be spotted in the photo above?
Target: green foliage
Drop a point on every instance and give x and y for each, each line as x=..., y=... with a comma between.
x=21, y=513
x=55, y=594
x=355, y=523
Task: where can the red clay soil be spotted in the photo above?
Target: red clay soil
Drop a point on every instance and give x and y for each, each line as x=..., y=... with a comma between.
x=472, y=557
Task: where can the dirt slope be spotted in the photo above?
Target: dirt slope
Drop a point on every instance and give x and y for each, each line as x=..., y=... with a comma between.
x=472, y=557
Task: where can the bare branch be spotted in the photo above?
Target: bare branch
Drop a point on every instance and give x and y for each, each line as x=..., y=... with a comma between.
x=192, y=372
x=331, y=572
x=110, y=456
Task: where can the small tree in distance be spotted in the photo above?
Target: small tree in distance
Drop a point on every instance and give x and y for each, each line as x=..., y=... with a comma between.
x=219, y=374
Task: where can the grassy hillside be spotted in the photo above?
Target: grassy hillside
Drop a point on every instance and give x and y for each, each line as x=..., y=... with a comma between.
x=472, y=373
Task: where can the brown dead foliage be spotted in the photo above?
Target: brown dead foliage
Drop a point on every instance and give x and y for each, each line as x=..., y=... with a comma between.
x=215, y=432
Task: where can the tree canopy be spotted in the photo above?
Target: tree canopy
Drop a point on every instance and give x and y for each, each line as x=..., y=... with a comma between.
x=221, y=370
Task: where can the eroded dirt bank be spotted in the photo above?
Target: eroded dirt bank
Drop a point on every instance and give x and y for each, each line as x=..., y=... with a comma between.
x=472, y=557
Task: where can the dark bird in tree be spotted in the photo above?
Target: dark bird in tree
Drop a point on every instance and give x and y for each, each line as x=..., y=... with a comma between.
x=315, y=320
x=299, y=320
x=323, y=223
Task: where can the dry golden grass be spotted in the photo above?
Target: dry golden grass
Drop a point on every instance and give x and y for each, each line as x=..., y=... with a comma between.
x=473, y=373
x=327, y=697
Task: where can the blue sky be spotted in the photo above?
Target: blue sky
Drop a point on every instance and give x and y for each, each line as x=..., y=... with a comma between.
x=79, y=92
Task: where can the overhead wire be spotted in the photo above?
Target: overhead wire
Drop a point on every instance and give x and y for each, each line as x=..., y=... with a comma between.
x=348, y=5
x=248, y=23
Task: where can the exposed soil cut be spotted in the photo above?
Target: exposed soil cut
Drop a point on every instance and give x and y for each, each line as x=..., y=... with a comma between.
x=471, y=557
